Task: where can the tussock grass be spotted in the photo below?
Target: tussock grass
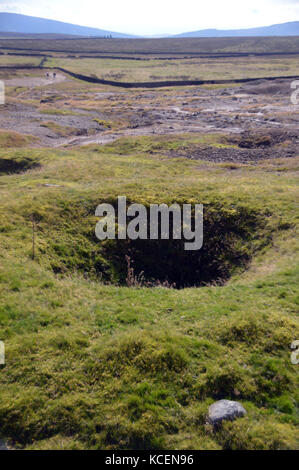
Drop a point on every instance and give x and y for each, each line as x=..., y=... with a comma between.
x=57, y=111
x=11, y=139
x=62, y=131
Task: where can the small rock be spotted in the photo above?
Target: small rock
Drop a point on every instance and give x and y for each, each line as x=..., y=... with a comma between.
x=225, y=410
x=3, y=445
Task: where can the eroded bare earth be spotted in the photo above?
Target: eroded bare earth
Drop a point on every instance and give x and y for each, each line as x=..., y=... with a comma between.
x=258, y=118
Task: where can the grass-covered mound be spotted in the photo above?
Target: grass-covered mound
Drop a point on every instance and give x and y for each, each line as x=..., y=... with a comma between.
x=11, y=139
x=95, y=365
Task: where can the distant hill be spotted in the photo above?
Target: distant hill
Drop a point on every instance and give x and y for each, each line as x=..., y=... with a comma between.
x=284, y=29
x=22, y=24
x=16, y=25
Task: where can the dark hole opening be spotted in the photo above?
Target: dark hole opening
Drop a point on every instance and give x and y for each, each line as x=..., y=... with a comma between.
x=230, y=238
x=16, y=166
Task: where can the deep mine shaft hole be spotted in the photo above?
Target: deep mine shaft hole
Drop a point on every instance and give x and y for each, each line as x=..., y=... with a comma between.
x=232, y=235
x=20, y=165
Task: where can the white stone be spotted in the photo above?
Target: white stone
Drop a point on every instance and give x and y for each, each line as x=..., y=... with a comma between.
x=225, y=410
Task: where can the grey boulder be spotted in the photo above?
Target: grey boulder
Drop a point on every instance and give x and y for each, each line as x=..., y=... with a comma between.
x=3, y=445
x=225, y=410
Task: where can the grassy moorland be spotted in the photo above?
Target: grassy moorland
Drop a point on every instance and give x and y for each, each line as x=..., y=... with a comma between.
x=180, y=69
x=147, y=69
x=94, y=364
x=10, y=60
x=166, y=46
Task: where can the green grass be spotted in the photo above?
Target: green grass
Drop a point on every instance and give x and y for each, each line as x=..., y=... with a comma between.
x=160, y=144
x=62, y=131
x=92, y=365
x=18, y=60
x=103, y=123
x=183, y=69
x=57, y=111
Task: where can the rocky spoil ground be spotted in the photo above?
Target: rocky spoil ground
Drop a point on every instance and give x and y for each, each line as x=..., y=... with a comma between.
x=71, y=116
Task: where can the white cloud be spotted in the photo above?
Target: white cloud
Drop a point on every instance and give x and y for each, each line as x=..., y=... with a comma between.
x=160, y=16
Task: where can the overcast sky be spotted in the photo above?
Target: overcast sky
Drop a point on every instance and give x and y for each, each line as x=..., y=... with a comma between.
x=147, y=17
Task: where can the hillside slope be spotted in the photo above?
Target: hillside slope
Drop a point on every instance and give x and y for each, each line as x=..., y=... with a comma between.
x=15, y=23
x=284, y=29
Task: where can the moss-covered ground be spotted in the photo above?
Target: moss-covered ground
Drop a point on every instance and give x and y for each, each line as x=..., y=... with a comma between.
x=94, y=364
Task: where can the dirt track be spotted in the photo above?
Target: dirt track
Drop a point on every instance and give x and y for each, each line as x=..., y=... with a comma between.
x=32, y=82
